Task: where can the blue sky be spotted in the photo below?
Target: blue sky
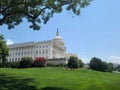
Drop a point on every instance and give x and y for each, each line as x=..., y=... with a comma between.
x=94, y=33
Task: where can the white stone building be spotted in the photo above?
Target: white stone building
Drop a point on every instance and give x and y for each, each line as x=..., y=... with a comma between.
x=67, y=55
x=51, y=49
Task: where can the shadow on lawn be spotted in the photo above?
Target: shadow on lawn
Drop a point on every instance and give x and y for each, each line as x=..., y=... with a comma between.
x=53, y=88
x=14, y=83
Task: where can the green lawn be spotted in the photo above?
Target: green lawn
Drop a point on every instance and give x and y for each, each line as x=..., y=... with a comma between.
x=57, y=79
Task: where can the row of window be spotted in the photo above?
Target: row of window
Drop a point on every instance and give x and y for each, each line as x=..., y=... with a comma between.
x=18, y=59
x=21, y=53
x=28, y=47
x=21, y=48
x=14, y=59
x=43, y=46
x=28, y=53
x=42, y=52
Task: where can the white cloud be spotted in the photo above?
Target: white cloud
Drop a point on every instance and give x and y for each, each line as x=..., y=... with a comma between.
x=9, y=42
x=84, y=59
x=114, y=59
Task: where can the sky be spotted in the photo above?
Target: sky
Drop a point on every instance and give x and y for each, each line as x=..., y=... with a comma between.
x=94, y=33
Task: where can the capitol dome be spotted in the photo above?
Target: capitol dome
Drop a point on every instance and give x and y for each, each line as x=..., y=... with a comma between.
x=58, y=38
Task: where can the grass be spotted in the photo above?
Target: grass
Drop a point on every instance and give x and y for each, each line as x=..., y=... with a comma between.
x=57, y=79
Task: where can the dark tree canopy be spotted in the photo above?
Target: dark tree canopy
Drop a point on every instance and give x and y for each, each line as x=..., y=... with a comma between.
x=73, y=62
x=99, y=65
x=4, y=51
x=117, y=68
x=80, y=63
x=36, y=11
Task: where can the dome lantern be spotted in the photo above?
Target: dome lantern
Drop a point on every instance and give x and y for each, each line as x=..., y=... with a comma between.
x=57, y=37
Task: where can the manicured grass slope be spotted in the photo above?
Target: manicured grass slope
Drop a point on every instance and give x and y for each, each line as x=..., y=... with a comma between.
x=57, y=79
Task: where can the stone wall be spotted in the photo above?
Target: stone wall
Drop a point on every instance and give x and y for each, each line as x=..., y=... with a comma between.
x=57, y=61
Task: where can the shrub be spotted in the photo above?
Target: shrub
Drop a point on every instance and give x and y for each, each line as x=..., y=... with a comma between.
x=1, y=65
x=73, y=62
x=8, y=64
x=14, y=64
x=25, y=62
x=39, y=62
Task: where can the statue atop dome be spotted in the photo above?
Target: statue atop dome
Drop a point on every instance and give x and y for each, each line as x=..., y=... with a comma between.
x=57, y=33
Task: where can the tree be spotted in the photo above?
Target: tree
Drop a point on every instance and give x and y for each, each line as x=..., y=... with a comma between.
x=4, y=51
x=110, y=67
x=26, y=62
x=98, y=64
x=39, y=62
x=36, y=11
x=80, y=63
x=104, y=66
x=118, y=68
x=73, y=62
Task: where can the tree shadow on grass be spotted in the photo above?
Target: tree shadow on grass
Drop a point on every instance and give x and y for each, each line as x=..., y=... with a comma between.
x=13, y=83
x=53, y=88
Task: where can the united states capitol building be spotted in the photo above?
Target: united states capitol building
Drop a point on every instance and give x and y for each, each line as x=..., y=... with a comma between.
x=53, y=50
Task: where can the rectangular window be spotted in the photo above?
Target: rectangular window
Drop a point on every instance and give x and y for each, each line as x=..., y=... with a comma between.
x=39, y=52
x=36, y=52
x=46, y=51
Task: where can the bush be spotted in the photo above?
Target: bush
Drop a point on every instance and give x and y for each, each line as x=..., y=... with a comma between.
x=8, y=64
x=25, y=62
x=1, y=65
x=39, y=62
x=73, y=62
x=12, y=64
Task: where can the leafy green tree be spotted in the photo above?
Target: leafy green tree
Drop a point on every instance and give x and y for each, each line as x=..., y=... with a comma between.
x=104, y=66
x=98, y=64
x=110, y=67
x=80, y=63
x=118, y=68
x=73, y=62
x=36, y=11
x=4, y=51
x=26, y=62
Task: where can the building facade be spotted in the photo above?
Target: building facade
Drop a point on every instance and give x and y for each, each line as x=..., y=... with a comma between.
x=51, y=49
